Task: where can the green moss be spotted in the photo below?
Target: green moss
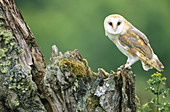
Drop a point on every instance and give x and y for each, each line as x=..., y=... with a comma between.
x=76, y=85
x=92, y=103
x=4, y=70
x=2, y=53
x=78, y=67
x=75, y=66
x=17, y=78
x=21, y=52
x=19, y=87
x=9, y=50
x=23, y=91
x=9, y=57
x=20, y=81
x=15, y=103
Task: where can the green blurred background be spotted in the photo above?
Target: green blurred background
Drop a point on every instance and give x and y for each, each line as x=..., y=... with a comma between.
x=78, y=24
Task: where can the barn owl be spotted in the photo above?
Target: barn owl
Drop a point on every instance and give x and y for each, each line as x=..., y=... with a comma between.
x=131, y=42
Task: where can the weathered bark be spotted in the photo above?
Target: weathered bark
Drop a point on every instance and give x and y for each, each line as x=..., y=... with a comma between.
x=66, y=85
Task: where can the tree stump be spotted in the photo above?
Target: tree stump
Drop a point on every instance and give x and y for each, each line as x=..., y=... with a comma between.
x=66, y=85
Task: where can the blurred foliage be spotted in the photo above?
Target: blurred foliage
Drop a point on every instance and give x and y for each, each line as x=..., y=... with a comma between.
x=78, y=24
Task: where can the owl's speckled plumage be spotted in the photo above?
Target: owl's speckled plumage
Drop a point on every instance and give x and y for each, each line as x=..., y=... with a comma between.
x=131, y=42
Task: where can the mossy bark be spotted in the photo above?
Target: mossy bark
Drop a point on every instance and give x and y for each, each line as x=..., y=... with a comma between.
x=66, y=85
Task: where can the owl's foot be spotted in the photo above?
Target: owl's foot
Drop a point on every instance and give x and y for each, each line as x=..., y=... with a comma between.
x=121, y=68
x=128, y=68
x=124, y=67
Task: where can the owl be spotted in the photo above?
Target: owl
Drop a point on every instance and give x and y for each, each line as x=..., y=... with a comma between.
x=131, y=42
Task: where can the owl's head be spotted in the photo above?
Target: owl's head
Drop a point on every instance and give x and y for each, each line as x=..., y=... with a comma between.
x=114, y=24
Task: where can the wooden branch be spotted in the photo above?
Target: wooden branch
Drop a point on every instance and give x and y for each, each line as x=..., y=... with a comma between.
x=66, y=85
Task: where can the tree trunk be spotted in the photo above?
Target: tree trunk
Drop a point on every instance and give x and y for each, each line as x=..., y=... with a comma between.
x=66, y=85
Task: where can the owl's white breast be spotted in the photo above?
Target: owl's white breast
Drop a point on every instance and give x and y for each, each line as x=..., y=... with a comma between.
x=114, y=38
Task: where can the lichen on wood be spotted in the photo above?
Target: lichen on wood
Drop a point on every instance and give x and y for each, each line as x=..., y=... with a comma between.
x=66, y=85
x=18, y=92
x=74, y=87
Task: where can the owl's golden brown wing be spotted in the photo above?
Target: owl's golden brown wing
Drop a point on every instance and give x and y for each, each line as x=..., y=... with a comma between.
x=138, y=45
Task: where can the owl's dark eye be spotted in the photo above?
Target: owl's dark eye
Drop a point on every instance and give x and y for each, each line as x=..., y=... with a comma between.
x=118, y=23
x=110, y=23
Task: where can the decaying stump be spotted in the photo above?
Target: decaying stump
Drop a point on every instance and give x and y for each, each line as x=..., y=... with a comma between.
x=73, y=86
x=66, y=85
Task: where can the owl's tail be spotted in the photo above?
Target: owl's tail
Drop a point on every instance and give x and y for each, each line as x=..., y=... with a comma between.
x=159, y=64
x=145, y=66
x=154, y=62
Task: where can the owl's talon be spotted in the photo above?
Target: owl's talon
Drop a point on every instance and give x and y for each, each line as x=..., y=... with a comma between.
x=129, y=68
x=121, y=68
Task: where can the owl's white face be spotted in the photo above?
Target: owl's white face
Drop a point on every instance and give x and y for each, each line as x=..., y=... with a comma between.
x=114, y=24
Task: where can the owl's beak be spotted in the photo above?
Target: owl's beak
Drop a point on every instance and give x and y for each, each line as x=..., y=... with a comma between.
x=115, y=29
